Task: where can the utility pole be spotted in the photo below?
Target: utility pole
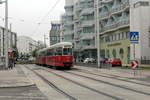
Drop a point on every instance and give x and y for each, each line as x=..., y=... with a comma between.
x=44, y=40
x=97, y=33
x=11, y=43
x=6, y=33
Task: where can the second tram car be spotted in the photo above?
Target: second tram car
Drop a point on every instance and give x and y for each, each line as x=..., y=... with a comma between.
x=58, y=55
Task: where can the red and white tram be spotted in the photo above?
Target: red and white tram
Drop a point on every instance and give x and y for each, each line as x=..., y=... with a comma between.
x=58, y=55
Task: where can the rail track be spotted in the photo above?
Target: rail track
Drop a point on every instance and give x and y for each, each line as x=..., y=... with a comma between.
x=115, y=85
x=82, y=85
x=113, y=77
x=52, y=85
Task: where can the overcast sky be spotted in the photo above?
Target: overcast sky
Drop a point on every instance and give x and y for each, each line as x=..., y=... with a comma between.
x=26, y=14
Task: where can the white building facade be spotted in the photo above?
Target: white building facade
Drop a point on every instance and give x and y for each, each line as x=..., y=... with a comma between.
x=26, y=45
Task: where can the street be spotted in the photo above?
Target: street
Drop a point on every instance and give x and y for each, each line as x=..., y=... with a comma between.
x=84, y=83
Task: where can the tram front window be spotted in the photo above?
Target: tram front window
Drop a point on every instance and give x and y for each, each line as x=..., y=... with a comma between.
x=67, y=51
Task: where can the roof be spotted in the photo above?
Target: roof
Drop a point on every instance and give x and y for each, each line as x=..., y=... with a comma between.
x=62, y=44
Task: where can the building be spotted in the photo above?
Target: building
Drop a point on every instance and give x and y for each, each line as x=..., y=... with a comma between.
x=26, y=45
x=55, y=31
x=68, y=21
x=12, y=40
x=117, y=19
x=79, y=27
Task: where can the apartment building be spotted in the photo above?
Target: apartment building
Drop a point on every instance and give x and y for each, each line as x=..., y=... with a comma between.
x=54, y=34
x=12, y=37
x=79, y=27
x=117, y=19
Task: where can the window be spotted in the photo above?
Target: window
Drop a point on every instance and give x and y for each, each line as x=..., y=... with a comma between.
x=119, y=36
x=121, y=52
x=127, y=35
x=108, y=54
x=50, y=52
x=58, y=51
x=114, y=53
x=67, y=51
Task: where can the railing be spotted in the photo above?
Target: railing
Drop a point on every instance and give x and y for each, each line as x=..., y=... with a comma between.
x=87, y=35
x=87, y=23
x=68, y=23
x=145, y=60
x=120, y=7
x=103, y=15
x=116, y=25
x=68, y=33
x=89, y=46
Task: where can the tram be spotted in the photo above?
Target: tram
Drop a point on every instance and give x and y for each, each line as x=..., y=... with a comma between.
x=57, y=55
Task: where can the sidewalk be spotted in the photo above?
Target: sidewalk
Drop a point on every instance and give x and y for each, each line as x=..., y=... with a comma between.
x=14, y=78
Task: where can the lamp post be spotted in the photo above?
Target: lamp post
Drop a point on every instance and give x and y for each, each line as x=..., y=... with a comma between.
x=6, y=31
x=97, y=32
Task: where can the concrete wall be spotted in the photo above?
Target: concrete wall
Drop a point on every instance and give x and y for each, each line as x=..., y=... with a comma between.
x=140, y=22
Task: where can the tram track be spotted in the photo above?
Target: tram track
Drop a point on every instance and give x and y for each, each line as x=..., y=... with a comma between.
x=112, y=77
x=52, y=85
x=82, y=85
x=108, y=83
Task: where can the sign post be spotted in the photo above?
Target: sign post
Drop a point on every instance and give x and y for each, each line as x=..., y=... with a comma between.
x=134, y=39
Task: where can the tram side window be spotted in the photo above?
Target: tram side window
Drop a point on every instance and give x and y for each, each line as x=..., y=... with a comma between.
x=58, y=51
x=67, y=51
x=50, y=52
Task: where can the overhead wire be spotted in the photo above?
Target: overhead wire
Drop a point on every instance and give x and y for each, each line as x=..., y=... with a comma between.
x=51, y=9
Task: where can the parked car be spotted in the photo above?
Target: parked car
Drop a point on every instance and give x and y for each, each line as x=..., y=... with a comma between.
x=114, y=62
x=103, y=60
x=89, y=60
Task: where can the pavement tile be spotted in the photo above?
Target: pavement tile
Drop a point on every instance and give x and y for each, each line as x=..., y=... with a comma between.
x=13, y=78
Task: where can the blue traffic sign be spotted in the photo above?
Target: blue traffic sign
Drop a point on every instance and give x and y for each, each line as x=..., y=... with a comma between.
x=134, y=37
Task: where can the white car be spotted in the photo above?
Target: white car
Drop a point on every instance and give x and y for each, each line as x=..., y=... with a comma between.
x=89, y=60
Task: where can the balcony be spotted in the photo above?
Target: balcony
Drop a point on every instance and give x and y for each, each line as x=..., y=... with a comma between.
x=85, y=47
x=70, y=13
x=87, y=23
x=87, y=11
x=115, y=26
x=68, y=33
x=68, y=23
x=120, y=8
x=87, y=36
x=104, y=15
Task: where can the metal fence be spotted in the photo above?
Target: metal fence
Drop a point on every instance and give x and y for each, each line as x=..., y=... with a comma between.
x=145, y=60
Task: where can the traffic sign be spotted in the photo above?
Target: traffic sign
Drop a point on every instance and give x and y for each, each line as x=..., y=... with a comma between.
x=134, y=64
x=134, y=37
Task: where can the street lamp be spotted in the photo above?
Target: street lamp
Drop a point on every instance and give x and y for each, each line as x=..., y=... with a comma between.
x=6, y=31
x=97, y=33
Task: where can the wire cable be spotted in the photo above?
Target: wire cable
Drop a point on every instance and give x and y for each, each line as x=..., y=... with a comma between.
x=51, y=9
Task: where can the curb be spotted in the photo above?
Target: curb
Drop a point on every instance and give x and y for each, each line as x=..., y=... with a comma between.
x=17, y=86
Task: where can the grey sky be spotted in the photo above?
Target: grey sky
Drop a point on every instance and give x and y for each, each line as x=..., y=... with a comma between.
x=26, y=14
